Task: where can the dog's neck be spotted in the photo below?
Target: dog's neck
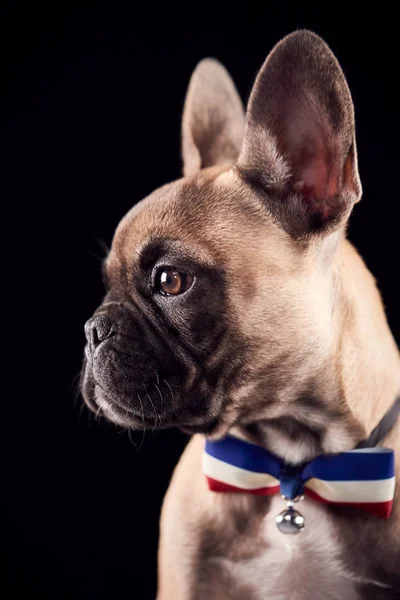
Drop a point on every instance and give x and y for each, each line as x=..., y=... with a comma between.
x=368, y=361
x=357, y=380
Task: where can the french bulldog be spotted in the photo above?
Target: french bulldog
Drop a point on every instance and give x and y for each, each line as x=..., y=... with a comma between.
x=236, y=304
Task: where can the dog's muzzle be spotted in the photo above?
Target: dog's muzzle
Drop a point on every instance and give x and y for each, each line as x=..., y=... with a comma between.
x=125, y=361
x=132, y=374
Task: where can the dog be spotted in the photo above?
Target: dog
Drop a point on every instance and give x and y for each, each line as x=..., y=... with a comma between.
x=235, y=306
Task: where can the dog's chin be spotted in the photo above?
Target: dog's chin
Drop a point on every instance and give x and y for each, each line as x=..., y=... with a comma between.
x=115, y=413
x=118, y=413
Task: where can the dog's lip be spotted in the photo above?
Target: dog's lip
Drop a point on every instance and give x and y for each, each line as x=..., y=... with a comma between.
x=138, y=419
x=91, y=390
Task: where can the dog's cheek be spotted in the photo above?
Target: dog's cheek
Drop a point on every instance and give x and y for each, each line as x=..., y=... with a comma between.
x=201, y=317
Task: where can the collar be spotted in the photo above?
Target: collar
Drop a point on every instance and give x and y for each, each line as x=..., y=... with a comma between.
x=363, y=477
x=383, y=428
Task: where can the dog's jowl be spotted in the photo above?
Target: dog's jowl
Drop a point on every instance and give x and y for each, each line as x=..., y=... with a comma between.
x=237, y=311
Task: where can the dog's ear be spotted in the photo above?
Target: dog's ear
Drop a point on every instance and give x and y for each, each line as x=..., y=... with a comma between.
x=299, y=145
x=213, y=119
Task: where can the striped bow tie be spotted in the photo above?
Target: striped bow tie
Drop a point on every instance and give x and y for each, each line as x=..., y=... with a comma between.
x=360, y=478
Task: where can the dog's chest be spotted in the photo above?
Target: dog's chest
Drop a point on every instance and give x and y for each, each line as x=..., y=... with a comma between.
x=290, y=566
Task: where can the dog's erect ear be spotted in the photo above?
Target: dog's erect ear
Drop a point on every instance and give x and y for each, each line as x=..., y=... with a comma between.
x=213, y=119
x=299, y=143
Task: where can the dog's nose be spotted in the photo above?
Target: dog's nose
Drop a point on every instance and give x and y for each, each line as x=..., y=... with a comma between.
x=97, y=330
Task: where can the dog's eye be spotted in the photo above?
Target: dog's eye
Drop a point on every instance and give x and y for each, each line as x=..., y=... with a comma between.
x=173, y=283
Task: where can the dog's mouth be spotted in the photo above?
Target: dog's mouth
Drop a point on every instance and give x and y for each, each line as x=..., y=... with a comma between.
x=130, y=415
x=143, y=411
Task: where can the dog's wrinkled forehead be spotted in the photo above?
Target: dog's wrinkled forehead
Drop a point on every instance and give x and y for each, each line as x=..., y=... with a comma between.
x=208, y=216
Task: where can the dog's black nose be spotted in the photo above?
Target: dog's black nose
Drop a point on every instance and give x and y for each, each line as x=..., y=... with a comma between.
x=97, y=330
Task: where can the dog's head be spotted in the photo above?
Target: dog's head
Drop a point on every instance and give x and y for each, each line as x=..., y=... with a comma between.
x=220, y=285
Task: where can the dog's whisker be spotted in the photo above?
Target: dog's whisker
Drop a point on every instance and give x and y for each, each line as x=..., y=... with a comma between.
x=90, y=418
x=156, y=415
x=130, y=437
x=82, y=408
x=129, y=430
x=104, y=251
x=96, y=256
x=161, y=396
x=123, y=430
x=101, y=243
x=143, y=426
x=75, y=379
x=172, y=395
x=75, y=387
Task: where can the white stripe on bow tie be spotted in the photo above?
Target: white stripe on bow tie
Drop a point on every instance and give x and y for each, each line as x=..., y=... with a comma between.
x=379, y=490
x=232, y=475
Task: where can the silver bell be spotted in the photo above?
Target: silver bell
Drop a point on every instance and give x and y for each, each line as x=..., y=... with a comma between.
x=290, y=520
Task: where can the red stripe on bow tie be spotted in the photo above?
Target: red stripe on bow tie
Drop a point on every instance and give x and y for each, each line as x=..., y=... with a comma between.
x=379, y=509
x=219, y=486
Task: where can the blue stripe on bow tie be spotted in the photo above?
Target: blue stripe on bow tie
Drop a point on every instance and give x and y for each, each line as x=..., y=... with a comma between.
x=354, y=465
x=245, y=455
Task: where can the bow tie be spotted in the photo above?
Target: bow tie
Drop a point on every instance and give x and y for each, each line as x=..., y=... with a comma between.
x=361, y=478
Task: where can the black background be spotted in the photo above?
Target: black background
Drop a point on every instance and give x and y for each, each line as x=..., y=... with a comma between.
x=92, y=124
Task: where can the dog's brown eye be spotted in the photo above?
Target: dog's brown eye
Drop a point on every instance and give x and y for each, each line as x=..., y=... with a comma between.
x=174, y=282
